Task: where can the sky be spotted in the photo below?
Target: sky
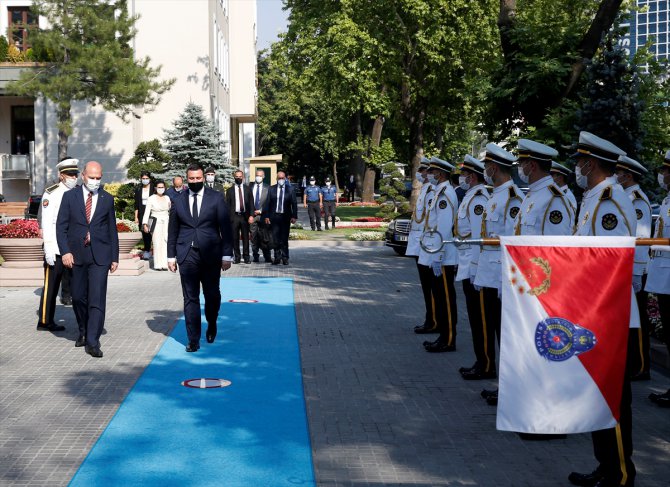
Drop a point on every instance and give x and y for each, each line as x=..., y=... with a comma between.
x=271, y=20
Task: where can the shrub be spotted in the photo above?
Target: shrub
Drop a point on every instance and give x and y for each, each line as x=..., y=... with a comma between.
x=20, y=229
x=14, y=55
x=3, y=49
x=298, y=236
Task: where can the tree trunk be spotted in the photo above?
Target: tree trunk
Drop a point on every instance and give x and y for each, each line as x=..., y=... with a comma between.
x=356, y=164
x=64, y=127
x=416, y=142
x=337, y=186
x=506, y=17
x=368, y=195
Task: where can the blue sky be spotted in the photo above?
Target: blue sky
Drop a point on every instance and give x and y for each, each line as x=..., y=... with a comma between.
x=271, y=20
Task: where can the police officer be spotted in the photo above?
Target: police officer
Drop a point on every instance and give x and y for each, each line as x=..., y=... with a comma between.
x=311, y=199
x=561, y=174
x=53, y=266
x=441, y=217
x=658, y=271
x=629, y=172
x=606, y=210
x=469, y=221
x=498, y=220
x=329, y=202
x=418, y=224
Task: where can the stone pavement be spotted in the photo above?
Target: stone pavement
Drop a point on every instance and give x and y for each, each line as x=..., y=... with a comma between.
x=382, y=412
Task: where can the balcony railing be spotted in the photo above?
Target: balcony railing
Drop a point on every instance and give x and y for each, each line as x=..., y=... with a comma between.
x=14, y=166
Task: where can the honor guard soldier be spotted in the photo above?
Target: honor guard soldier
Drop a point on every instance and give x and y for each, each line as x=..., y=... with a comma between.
x=629, y=172
x=606, y=210
x=418, y=224
x=54, y=270
x=469, y=218
x=498, y=220
x=311, y=200
x=441, y=217
x=329, y=200
x=658, y=271
x=210, y=180
x=561, y=174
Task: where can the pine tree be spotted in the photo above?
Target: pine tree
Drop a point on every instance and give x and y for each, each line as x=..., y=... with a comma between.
x=195, y=138
x=149, y=156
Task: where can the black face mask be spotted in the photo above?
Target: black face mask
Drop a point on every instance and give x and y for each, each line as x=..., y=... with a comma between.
x=195, y=187
x=238, y=180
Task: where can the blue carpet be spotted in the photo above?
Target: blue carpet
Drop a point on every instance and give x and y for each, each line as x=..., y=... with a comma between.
x=250, y=434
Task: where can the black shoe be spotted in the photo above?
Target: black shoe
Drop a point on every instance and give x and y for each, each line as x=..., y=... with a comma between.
x=192, y=347
x=256, y=259
x=276, y=262
x=478, y=374
x=640, y=376
x=81, y=341
x=492, y=400
x=267, y=259
x=93, y=351
x=67, y=301
x=585, y=479
x=541, y=436
x=284, y=261
x=318, y=229
x=440, y=346
x=50, y=327
x=247, y=260
x=425, y=329
x=428, y=343
x=654, y=396
x=211, y=333
x=486, y=393
x=327, y=228
x=468, y=369
x=237, y=260
x=664, y=402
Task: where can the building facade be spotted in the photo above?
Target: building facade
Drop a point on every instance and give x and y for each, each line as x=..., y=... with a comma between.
x=650, y=22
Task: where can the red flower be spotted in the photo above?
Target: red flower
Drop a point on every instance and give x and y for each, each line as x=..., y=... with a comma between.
x=122, y=227
x=20, y=229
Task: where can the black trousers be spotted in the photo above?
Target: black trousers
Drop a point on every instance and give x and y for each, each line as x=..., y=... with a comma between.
x=664, y=310
x=329, y=213
x=89, y=297
x=281, y=227
x=194, y=272
x=314, y=212
x=638, y=338
x=482, y=342
x=66, y=279
x=52, y=279
x=444, y=294
x=240, y=226
x=256, y=231
x=425, y=277
x=146, y=236
x=491, y=317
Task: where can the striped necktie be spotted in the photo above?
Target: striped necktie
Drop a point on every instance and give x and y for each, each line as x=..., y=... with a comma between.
x=89, y=207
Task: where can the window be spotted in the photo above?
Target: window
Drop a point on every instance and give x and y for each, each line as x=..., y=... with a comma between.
x=20, y=21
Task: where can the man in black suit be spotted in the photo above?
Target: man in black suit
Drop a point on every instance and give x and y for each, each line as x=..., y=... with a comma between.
x=200, y=240
x=89, y=245
x=177, y=187
x=280, y=211
x=257, y=227
x=239, y=201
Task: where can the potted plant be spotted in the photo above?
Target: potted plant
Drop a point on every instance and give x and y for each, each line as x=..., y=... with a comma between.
x=129, y=235
x=20, y=241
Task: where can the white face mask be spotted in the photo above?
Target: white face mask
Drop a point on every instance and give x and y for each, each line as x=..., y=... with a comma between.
x=259, y=179
x=432, y=179
x=463, y=183
x=525, y=178
x=160, y=190
x=281, y=182
x=209, y=178
x=93, y=185
x=145, y=181
x=312, y=183
x=581, y=179
x=328, y=183
x=488, y=179
x=419, y=177
x=661, y=182
x=70, y=182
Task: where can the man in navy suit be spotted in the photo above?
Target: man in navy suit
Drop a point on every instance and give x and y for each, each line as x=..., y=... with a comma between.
x=200, y=240
x=280, y=211
x=89, y=245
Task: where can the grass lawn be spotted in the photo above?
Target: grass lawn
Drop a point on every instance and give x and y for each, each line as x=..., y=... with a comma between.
x=348, y=213
x=337, y=232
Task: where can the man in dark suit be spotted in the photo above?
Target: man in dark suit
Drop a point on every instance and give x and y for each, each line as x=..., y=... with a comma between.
x=257, y=227
x=89, y=245
x=177, y=187
x=280, y=211
x=200, y=240
x=239, y=201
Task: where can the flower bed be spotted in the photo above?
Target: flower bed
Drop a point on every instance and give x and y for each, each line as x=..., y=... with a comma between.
x=368, y=219
x=20, y=229
x=298, y=236
x=125, y=226
x=366, y=236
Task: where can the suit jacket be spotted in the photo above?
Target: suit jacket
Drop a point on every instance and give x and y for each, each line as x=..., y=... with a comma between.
x=71, y=227
x=138, y=196
x=290, y=202
x=172, y=193
x=248, y=199
x=264, y=195
x=213, y=229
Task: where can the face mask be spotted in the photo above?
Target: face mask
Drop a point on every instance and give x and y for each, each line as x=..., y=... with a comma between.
x=259, y=179
x=312, y=183
x=238, y=180
x=209, y=178
x=433, y=180
x=160, y=190
x=661, y=181
x=525, y=178
x=328, y=184
x=488, y=179
x=620, y=178
x=178, y=190
x=419, y=177
x=145, y=181
x=70, y=182
x=92, y=185
x=463, y=182
x=195, y=187
x=281, y=182
x=581, y=179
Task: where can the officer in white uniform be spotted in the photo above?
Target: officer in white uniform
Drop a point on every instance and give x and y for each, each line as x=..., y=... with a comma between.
x=498, y=220
x=561, y=174
x=53, y=266
x=629, y=172
x=418, y=224
x=441, y=217
x=658, y=271
x=606, y=210
x=468, y=225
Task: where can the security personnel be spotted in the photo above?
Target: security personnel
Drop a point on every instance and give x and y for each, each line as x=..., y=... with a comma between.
x=418, y=224
x=498, y=220
x=560, y=173
x=329, y=202
x=54, y=270
x=469, y=218
x=441, y=217
x=658, y=280
x=311, y=200
x=210, y=180
x=606, y=210
x=629, y=172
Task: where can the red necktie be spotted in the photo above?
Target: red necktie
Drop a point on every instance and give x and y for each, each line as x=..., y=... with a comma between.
x=89, y=207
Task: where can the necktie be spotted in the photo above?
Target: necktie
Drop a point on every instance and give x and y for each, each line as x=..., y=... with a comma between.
x=89, y=207
x=194, y=211
x=281, y=199
x=257, y=203
x=239, y=195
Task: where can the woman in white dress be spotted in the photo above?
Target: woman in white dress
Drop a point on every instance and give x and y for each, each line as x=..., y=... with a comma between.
x=158, y=207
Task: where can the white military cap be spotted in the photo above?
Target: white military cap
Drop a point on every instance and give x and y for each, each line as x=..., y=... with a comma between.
x=666, y=162
x=631, y=165
x=436, y=163
x=560, y=168
x=424, y=163
x=472, y=164
x=529, y=149
x=592, y=145
x=495, y=153
x=68, y=165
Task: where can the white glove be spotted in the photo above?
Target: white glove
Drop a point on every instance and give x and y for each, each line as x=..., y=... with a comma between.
x=637, y=283
x=50, y=257
x=437, y=268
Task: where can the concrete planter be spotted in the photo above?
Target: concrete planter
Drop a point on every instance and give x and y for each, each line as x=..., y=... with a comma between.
x=127, y=241
x=21, y=249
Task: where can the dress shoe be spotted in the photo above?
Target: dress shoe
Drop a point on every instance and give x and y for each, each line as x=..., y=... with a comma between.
x=467, y=369
x=640, y=376
x=318, y=229
x=256, y=259
x=492, y=400
x=327, y=227
x=664, y=402
x=93, y=351
x=654, y=396
x=247, y=260
x=211, y=333
x=284, y=261
x=585, y=479
x=276, y=262
x=486, y=393
x=478, y=374
x=50, y=327
x=192, y=347
x=440, y=346
x=66, y=301
x=425, y=329
x=237, y=260
x=81, y=341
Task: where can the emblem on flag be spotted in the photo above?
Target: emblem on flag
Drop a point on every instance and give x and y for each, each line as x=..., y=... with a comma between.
x=557, y=339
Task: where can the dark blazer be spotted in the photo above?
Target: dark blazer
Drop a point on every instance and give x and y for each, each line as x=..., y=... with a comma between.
x=290, y=202
x=172, y=193
x=138, y=197
x=264, y=195
x=71, y=227
x=213, y=229
x=248, y=199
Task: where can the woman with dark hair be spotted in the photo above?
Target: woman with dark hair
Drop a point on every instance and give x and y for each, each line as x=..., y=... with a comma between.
x=158, y=207
x=142, y=193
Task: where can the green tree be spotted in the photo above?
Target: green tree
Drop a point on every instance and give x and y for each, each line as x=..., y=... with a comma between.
x=392, y=183
x=149, y=156
x=87, y=44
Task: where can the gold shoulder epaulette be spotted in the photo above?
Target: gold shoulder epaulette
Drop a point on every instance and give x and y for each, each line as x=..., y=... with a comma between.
x=51, y=189
x=606, y=194
x=512, y=192
x=637, y=195
x=555, y=190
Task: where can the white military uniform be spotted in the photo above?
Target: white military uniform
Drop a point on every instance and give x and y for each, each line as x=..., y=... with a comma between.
x=643, y=216
x=419, y=220
x=51, y=200
x=658, y=270
x=469, y=222
x=544, y=211
x=441, y=213
x=570, y=196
